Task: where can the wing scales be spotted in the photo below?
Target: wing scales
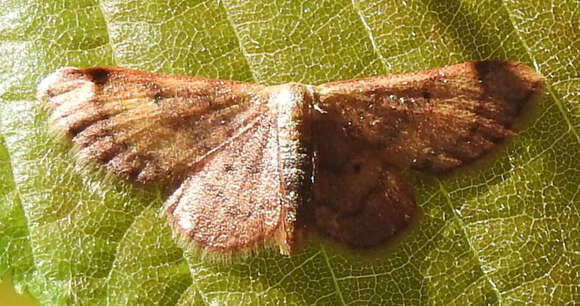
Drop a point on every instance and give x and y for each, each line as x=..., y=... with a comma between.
x=236, y=157
x=433, y=120
x=232, y=201
x=143, y=126
x=215, y=140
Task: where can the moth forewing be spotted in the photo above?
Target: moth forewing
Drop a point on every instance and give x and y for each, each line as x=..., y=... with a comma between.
x=434, y=120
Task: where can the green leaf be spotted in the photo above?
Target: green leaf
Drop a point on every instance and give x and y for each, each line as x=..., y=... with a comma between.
x=502, y=231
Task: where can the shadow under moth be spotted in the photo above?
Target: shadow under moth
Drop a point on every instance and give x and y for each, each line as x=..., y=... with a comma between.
x=245, y=164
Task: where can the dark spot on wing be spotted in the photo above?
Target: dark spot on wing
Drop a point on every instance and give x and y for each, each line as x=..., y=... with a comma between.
x=88, y=120
x=98, y=75
x=511, y=84
x=157, y=96
x=356, y=168
x=484, y=68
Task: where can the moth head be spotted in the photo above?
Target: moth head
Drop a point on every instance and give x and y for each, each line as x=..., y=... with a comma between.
x=291, y=103
x=293, y=97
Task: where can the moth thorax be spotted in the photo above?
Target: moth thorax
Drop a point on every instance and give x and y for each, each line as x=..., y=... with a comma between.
x=291, y=104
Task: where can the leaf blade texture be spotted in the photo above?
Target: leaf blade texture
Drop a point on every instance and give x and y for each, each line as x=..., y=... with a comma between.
x=503, y=233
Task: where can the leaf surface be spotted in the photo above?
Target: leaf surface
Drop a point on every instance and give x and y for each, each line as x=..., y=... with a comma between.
x=502, y=231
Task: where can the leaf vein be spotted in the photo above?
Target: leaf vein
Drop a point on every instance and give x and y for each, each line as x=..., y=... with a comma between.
x=558, y=101
x=108, y=31
x=356, y=6
x=472, y=249
x=334, y=279
x=240, y=43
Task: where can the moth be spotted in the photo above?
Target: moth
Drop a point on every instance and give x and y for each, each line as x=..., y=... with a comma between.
x=245, y=164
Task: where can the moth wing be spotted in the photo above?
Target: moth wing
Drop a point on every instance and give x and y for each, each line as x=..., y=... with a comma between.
x=232, y=201
x=214, y=142
x=143, y=126
x=432, y=120
x=361, y=203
